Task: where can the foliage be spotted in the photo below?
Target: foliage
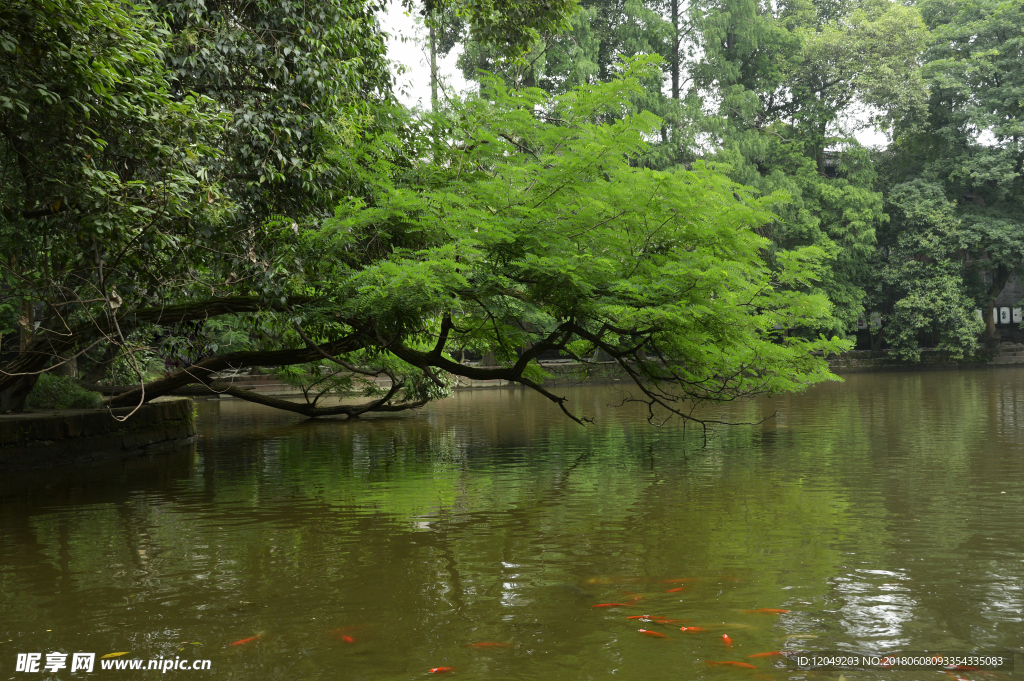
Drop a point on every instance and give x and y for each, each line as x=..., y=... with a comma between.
x=955, y=177
x=787, y=78
x=538, y=232
x=510, y=26
x=102, y=170
x=150, y=156
x=925, y=269
x=90, y=181
x=61, y=392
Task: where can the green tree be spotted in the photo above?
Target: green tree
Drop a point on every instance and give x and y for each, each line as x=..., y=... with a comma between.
x=103, y=173
x=599, y=36
x=968, y=149
x=537, y=232
x=159, y=161
x=786, y=77
x=925, y=274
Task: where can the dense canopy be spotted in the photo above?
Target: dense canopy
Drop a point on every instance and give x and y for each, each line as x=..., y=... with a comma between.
x=189, y=188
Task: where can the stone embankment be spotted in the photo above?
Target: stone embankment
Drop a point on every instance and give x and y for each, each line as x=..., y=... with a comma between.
x=35, y=440
x=879, y=360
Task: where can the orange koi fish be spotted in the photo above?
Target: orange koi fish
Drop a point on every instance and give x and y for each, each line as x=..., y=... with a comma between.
x=247, y=640
x=488, y=644
x=771, y=654
x=730, y=663
x=685, y=580
x=678, y=588
x=341, y=635
x=441, y=670
x=652, y=634
x=692, y=630
x=612, y=605
x=644, y=617
x=726, y=640
x=766, y=611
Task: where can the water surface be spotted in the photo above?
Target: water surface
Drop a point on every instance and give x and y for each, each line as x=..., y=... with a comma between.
x=884, y=513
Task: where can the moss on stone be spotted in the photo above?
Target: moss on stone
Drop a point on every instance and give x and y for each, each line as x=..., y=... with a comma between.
x=61, y=392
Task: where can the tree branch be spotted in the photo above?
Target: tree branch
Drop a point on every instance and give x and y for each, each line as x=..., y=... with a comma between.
x=201, y=371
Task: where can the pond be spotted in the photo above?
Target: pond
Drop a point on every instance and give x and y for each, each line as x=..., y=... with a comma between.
x=884, y=513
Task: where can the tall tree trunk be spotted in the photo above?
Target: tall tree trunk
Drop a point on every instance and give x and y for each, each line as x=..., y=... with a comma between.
x=433, y=64
x=675, y=49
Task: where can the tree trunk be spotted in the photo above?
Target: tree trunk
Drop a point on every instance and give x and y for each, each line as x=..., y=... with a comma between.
x=675, y=49
x=12, y=399
x=876, y=342
x=433, y=65
x=201, y=371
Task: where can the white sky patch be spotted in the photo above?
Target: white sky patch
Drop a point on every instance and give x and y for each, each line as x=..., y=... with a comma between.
x=408, y=46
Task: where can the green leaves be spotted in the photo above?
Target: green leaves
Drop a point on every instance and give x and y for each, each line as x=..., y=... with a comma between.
x=955, y=182
x=536, y=220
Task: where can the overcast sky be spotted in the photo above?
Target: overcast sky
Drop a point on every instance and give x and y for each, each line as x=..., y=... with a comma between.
x=413, y=87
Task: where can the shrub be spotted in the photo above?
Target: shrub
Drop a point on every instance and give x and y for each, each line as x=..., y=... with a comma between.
x=61, y=392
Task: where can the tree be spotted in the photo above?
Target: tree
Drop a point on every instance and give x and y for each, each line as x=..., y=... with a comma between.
x=926, y=275
x=967, y=150
x=96, y=199
x=497, y=26
x=158, y=160
x=600, y=35
x=537, y=233
x=786, y=76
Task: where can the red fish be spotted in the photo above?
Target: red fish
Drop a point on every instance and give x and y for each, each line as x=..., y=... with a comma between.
x=441, y=670
x=771, y=654
x=766, y=611
x=487, y=644
x=678, y=588
x=692, y=630
x=730, y=663
x=653, y=634
x=644, y=617
x=685, y=580
x=247, y=640
x=612, y=605
x=347, y=639
x=726, y=640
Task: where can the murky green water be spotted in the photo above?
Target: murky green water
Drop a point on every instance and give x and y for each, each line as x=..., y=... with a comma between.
x=884, y=513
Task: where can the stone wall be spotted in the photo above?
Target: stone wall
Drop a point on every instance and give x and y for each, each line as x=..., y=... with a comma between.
x=856, y=361
x=39, y=439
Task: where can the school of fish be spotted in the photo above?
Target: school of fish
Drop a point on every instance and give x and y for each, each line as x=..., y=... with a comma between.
x=349, y=635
